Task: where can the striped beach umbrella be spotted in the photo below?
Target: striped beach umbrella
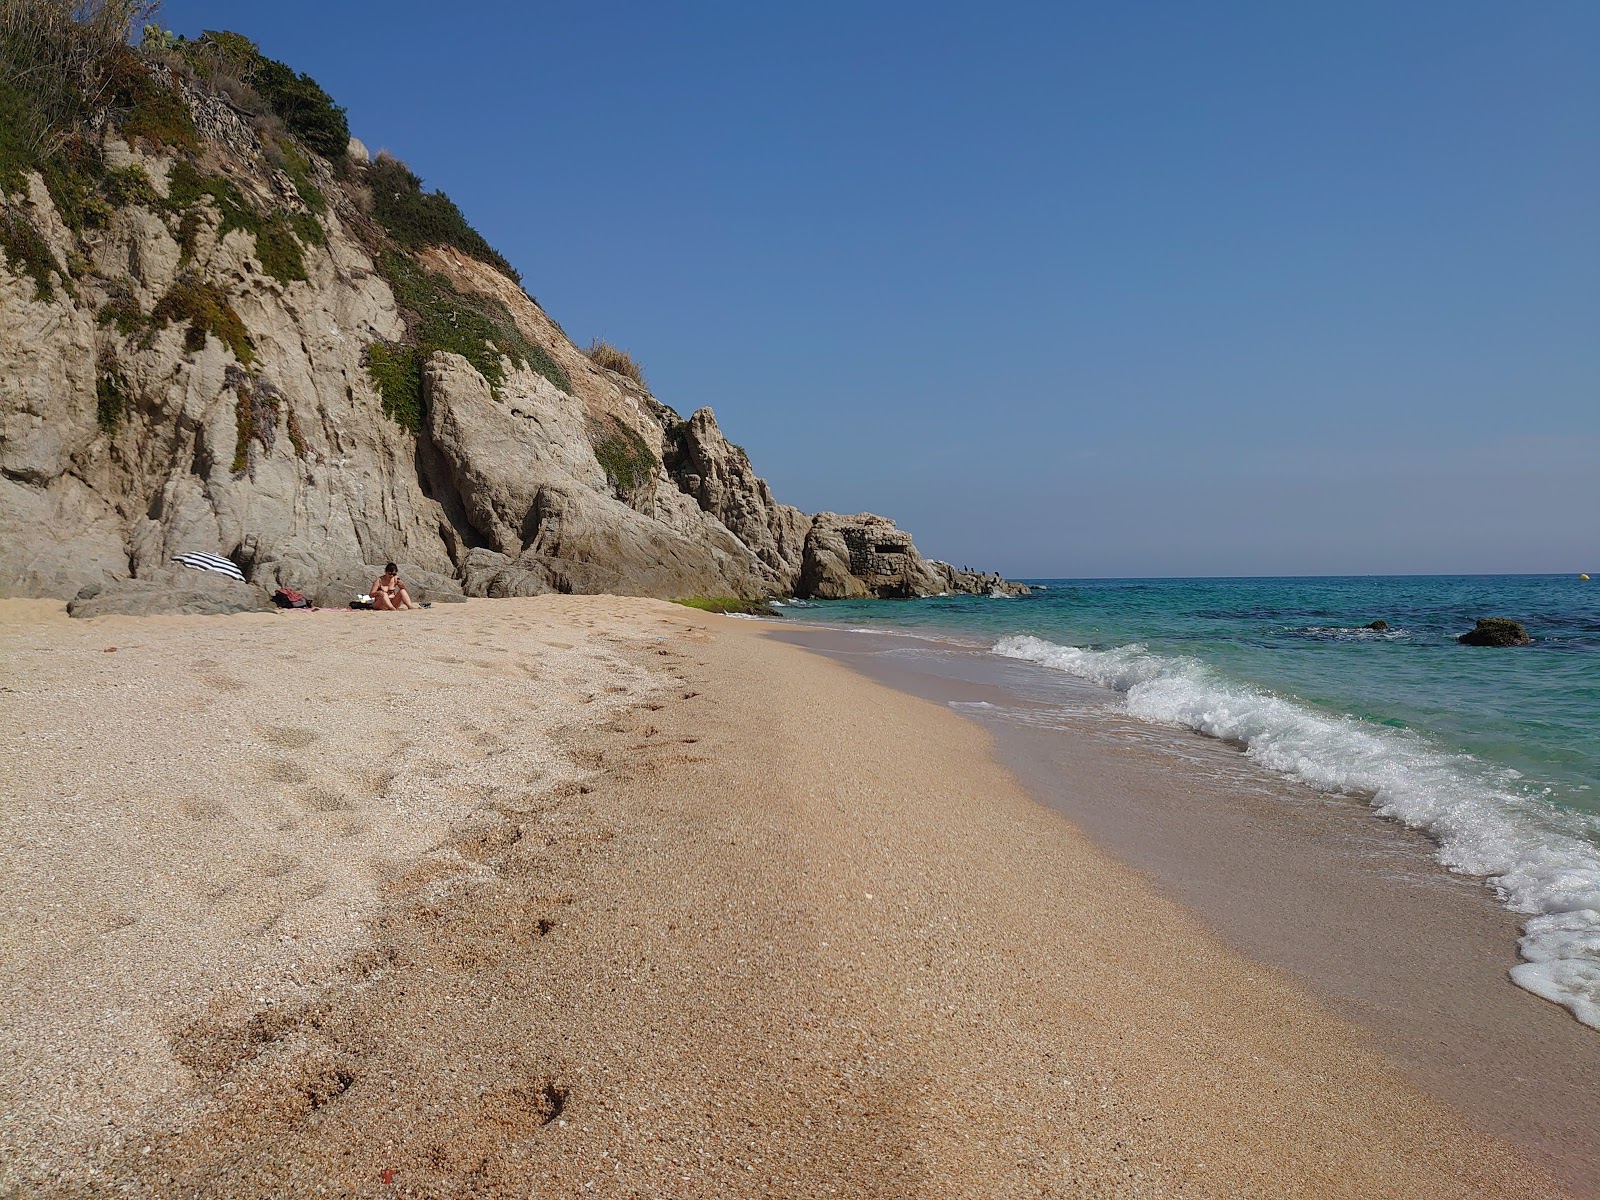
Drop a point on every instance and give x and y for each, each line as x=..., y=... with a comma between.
x=210, y=562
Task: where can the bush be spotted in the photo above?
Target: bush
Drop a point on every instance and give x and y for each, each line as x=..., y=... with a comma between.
x=613, y=358
x=151, y=103
x=232, y=63
x=479, y=328
x=111, y=396
x=416, y=219
x=292, y=162
x=305, y=108
x=206, y=310
x=27, y=253
x=397, y=372
x=255, y=414
x=121, y=309
x=59, y=63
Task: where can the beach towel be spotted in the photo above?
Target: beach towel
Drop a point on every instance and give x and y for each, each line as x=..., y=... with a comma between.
x=210, y=562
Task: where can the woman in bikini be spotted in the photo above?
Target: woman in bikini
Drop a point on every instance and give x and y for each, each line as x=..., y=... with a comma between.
x=388, y=593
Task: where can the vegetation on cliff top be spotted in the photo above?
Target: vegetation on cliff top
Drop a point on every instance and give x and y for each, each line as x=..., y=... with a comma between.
x=416, y=219
x=68, y=72
x=233, y=65
x=64, y=64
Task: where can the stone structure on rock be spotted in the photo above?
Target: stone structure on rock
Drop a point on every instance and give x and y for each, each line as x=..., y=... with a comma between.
x=866, y=557
x=132, y=430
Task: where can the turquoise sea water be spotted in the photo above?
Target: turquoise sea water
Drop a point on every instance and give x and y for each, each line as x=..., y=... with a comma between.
x=1494, y=752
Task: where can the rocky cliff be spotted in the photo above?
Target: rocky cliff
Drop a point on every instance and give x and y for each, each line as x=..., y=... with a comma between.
x=303, y=362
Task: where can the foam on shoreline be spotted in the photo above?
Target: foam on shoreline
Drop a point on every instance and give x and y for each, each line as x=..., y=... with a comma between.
x=1541, y=860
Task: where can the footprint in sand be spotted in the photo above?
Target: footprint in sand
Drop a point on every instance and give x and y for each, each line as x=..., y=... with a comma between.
x=287, y=737
x=286, y=770
x=325, y=800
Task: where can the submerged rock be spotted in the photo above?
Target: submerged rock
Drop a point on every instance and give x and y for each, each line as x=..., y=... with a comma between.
x=1380, y=625
x=1496, y=631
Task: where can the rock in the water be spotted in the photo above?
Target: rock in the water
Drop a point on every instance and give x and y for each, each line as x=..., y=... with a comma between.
x=1496, y=631
x=1380, y=625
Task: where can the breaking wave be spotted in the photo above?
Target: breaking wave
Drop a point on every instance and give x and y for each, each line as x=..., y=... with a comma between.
x=1542, y=860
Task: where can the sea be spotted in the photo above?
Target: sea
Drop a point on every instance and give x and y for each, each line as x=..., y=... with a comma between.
x=1493, y=753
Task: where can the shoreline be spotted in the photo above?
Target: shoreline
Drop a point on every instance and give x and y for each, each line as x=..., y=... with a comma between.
x=809, y=935
x=1355, y=906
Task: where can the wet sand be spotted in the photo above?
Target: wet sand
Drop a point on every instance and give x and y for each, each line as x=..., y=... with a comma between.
x=608, y=897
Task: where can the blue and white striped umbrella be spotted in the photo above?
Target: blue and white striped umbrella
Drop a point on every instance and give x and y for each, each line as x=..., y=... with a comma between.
x=210, y=562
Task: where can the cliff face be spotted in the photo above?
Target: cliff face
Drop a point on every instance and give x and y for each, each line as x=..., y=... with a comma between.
x=168, y=384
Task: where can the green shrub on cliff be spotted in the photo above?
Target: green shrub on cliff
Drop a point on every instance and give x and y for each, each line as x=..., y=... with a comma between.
x=416, y=219
x=438, y=317
x=151, y=103
x=111, y=395
x=27, y=253
x=204, y=308
x=232, y=63
x=280, y=254
x=625, y=456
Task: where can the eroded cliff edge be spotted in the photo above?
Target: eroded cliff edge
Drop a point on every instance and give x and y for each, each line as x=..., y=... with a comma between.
x=215, y=338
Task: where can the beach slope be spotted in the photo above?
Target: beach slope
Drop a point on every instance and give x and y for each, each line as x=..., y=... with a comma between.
x=587, y=896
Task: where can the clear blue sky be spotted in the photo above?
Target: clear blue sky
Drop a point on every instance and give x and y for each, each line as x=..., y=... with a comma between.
x=1068, y=288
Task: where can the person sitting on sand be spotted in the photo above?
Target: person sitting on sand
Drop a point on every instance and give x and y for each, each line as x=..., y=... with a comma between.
x=389, y=594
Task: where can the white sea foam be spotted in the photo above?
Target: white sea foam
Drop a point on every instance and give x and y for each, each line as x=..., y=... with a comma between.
x=1358, y=633
x=1541, y=860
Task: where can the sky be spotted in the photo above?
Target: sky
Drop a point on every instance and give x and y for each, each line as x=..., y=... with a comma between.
x=1067, y=289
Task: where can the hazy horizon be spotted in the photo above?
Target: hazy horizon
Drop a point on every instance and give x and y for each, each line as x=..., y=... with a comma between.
x=1135, y=291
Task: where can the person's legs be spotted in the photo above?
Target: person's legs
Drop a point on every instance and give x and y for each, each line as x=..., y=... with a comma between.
x=381, y=602
x=403, y=600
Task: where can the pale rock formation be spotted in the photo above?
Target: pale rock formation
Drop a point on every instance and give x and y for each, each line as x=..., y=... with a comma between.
x=288, y=464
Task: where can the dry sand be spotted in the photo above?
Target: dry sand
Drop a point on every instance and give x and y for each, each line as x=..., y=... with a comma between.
x=585, y=896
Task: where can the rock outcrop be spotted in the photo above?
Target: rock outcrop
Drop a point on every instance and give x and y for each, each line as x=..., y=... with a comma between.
x=718, y=475
x=170, y=386
x=866, y=557
x=1496, y=631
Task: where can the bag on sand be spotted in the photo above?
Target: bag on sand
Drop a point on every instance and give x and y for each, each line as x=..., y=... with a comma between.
x=289, y=598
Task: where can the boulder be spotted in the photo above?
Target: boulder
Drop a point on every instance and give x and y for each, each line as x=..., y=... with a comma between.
x=864, y=555
x=485, y=573
x=187, y=592
x=1379, y=625
x=1496, y=631
x=340, y=588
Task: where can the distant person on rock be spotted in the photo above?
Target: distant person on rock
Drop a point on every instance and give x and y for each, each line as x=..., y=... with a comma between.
x=388, y=593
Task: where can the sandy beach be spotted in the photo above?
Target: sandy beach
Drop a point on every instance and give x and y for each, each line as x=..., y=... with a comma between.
x=579, y=896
